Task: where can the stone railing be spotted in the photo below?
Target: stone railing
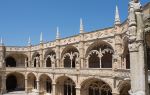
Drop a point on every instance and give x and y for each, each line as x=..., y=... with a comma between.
x=105, y=72
x=14, y=69
x=11, y=48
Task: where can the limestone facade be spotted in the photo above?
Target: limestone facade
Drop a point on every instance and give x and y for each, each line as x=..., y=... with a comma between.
x=110, y=61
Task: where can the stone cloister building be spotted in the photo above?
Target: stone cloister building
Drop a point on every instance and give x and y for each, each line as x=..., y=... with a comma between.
x=110, y=61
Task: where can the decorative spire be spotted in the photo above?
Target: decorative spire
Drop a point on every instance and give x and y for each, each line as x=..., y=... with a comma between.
x=41, y=38
x=29, y=41
x=81, y=26
x=57, y=33
x=1, y=41
x=117, y=17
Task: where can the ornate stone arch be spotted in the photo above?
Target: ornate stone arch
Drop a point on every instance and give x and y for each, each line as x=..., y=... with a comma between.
x=18, y=58
x=34, y=54
x=124, y=87
x=31, y=81
x=96, y=85
x=69, y=57
x=45, y=82
x=97, y=43
x=68, y=85
x=32, y=73
x=99, y=55
x=21, y=73
x=46, y=74
x=15, y=80
x=36, y=59
x=48, y=52
x=64, y=76
x=49, y=58
x=69, y=49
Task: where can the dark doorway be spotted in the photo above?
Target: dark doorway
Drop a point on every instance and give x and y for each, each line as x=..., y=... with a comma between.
x=10, y=62
x=11, y=83
x=48, y=62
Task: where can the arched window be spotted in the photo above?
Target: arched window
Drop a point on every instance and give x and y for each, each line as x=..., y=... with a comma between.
x=95, y=87
x=69, y=87
x=36, y=60
x=48, y=62
x=50, y=58
x=67, y=62
x=107, y=60
x=69, y=57
x=45, y=84
x=99, y=55
x=32, y=83
x=10, y=62
x=94, y=61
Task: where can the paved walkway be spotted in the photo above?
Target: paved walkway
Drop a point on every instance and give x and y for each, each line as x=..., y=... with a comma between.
x=16, y=93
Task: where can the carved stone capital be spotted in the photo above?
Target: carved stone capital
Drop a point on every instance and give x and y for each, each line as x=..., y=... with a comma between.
x=133, y=47
x=132, y=34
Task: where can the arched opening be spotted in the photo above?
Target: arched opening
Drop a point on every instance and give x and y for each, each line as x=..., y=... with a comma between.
x=124, y=88
x=10, y=62
x=50, y=58
x=45, y=85
x=16, y=60
x=32, y=84
x=11, y=83
x=36, y=60
x=95, y=87
x=65, y=86
x=69, y=56
x=48, y=62
x=15, y=82
x=67, y=62
x=94, y=61
x=99, y=55
x=107, y=60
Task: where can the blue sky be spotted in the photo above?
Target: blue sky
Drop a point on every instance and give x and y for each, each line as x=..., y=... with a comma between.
x=20, y=19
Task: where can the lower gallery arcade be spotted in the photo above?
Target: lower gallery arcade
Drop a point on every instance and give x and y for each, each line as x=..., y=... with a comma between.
x=63, y=85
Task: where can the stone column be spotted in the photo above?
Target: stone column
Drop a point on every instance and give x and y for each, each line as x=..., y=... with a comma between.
x=41, y=58
x=57, y=53
x=143, y=71
x=26, y=62
x=38, y=87
x=29, y=57
x=118, y=48
x=54, y=89
x=115, y=91
x=133, y=68
x=136, y=48
x=81, y=51
x=4, y=84
x=26, y=85
x=78, y=90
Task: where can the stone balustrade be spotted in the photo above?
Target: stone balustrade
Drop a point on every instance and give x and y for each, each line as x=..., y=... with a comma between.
x=103, y=72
